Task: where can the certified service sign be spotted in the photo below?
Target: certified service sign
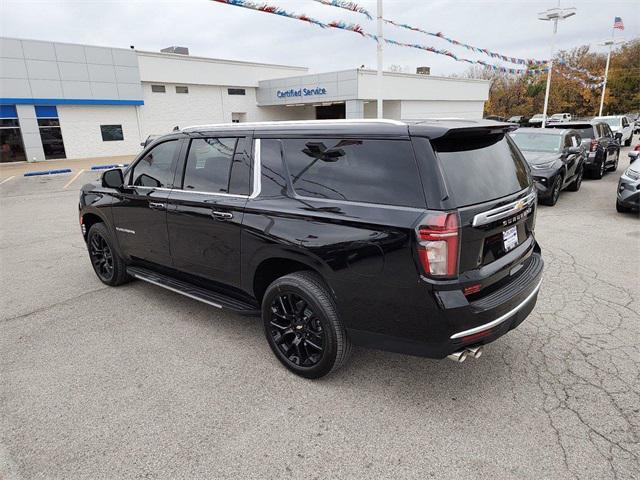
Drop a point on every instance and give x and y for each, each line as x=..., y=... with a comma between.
x=301, y=92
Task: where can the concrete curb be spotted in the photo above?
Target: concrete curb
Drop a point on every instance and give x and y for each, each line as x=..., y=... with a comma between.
x=106, y=167
x=47, y=172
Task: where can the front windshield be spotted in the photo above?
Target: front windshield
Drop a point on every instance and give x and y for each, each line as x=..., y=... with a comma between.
x=536, y=116
x=556, y=115
x=612, y=122
x=536, y=142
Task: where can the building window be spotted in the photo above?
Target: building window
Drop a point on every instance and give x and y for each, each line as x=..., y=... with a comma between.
x=50, y=133
x=158, y=88
x=182, y=89
x=111, y=133
x=11, y=147
x=236, y=91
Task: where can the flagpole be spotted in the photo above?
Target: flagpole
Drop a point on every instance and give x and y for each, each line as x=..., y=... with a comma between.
x=606, y=70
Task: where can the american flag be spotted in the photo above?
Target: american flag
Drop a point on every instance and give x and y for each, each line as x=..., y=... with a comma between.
x=617, y=23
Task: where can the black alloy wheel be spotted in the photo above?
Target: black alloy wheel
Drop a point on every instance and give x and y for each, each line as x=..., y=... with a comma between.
x=615, y=163
x=575, y=185
x=107, y=263
x=101, y=257
x=296, y=330
x=302, y=325
x=555, y=192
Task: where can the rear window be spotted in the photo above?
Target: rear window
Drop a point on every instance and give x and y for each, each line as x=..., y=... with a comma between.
x=371, y=171
x=586, y=132
x=479, y=168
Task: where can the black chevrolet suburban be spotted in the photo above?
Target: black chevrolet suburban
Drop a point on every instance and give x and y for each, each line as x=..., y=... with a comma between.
x=412, y=238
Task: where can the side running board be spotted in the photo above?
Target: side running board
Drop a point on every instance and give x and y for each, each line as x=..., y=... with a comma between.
x=210, y=297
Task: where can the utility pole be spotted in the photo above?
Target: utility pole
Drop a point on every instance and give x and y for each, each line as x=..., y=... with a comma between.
x=380, y=64
x=553, y=14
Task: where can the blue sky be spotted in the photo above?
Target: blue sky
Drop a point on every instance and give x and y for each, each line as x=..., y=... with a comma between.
x=210, y=29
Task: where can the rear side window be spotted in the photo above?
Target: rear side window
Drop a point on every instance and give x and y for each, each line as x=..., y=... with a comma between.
x=209, y=164
x=479, y=168
x=371, y=171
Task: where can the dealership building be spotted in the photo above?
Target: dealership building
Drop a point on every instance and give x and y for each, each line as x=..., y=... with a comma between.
x=61, y=100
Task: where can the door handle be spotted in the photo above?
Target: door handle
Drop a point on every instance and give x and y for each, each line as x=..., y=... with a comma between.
x=157, y=206
x=222, y=215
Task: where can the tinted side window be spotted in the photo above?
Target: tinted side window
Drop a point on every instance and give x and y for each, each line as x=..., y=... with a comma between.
x=240, y=180
x=208, y=164
x=567, y=141
x=273, y=180
x=372, y=171
x=156, y=168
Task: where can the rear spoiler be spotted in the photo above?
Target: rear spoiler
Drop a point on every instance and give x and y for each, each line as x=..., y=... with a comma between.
x=435, y=131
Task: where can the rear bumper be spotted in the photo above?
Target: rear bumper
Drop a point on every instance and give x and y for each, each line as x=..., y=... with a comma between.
x=462, y=323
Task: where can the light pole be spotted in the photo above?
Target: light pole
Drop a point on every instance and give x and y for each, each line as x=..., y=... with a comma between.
x=610, y=43
x=553, y=14
x=380, y=64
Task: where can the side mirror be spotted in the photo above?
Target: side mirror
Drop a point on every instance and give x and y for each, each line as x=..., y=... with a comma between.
x=633, y=156
x=618, y=136
x=143, y=144
x=113, y=178
x=574, y=150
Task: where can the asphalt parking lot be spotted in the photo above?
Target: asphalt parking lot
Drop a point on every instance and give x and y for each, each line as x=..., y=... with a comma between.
x=138, y=382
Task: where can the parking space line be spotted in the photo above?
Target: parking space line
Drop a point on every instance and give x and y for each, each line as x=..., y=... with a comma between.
x=7, y=179
x=74, y=178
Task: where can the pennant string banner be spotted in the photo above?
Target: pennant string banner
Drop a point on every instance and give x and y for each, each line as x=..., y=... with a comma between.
x=283, y=13
x=358, y=29
x=519, y=61
x=535, y=69
x=354, y=7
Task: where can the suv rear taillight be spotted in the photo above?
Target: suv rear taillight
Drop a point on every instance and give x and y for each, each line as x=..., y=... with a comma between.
x=438, y=234
x=594, y=145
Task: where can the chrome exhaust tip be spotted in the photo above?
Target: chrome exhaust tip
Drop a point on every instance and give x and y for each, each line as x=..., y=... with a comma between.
x=475, y=352
x=459, y=357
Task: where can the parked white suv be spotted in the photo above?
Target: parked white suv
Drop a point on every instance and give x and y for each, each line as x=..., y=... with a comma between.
x=619, y=124
x=560, y=118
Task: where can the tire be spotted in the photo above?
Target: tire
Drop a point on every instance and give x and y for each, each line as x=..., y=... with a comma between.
x=621, y=208
x=599, y=173
x=302, y=326
x=552, y=199
x=575, y=185
x=628, y=142
x=615, y=163
x=107, y=263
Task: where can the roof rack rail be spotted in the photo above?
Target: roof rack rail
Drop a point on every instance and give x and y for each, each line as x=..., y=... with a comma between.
x=293, y=122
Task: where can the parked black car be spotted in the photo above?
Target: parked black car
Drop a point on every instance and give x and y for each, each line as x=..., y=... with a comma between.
x=410, y=238
x=603, y=147
x=556, y=158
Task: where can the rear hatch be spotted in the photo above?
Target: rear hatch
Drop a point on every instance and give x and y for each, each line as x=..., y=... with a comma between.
x=488, y=183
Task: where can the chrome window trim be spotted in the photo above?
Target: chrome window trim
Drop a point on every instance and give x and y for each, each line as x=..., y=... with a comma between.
x=360, y=204
x=504, y=211
x=257, y=169
x=498, y=320
x=257, y=182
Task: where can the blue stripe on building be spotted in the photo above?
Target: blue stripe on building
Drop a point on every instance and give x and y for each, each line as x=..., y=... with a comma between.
x=67, y=101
